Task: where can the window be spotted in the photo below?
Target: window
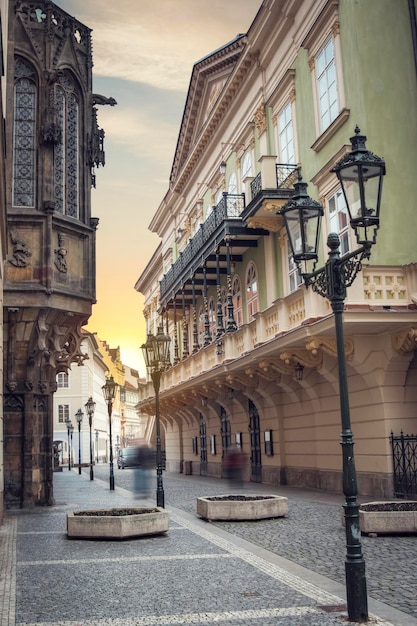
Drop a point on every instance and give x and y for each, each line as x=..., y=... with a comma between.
x=327, y=85
x=294, y=277
x=62, y=380
x=232, y=186
x=246, y=169
x=251, y=292
x=286, y=135
x=66, y=153
x=24, y=133
x=63, y=413
x=237, y=301
x=325, y=62
x=339, y=219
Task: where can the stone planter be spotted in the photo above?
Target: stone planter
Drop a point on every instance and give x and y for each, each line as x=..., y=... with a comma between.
x=117, y=523
x=388, y=517
x=239, y=508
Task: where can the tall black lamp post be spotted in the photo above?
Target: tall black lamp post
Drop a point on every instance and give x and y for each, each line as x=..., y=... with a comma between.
x=360, y=173
x=89, y=407
x=156, y=356
x=70, y=430
x=109, y=391
x=79, y=417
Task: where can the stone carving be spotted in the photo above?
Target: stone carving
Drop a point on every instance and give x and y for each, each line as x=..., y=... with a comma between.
x=98, y=99
x=61, y=253
x=20, y=252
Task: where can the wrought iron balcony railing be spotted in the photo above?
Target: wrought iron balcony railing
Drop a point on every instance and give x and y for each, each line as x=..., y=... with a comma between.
x=229, y=207
x=285, y=177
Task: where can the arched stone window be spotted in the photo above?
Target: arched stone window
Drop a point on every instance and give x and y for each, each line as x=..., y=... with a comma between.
x=24, y=135
x=237, y=300
x=251, y=291
x=66, y=154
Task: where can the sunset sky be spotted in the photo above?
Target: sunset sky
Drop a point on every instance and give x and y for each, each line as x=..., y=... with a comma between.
x=143, y=54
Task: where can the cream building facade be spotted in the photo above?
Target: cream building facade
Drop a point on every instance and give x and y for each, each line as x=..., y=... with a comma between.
x=253, y=352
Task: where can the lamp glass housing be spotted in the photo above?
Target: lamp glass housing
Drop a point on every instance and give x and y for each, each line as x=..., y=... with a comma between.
x=360, y=174
x=302, y=216
x=161, y=345
x=148, y=351
x=79, y=416
x=109, y=389
x=90, y=406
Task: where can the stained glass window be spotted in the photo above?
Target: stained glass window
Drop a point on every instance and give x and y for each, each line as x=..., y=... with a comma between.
x=24, y=133
x=66, y=155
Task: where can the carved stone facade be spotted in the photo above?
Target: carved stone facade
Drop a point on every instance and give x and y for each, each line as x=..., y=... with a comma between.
x=49, y=288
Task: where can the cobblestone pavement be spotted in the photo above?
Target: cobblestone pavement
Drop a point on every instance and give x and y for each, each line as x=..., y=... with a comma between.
x=199, y=573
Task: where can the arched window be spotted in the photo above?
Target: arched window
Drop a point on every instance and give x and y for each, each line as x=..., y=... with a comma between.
x=246, y=169
x=232, y=186
x=66, y=154
x=24, y=135
x=237, y=301
x=251, y=292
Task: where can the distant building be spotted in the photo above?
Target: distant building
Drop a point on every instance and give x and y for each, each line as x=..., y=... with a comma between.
x=131, y=424
x=74, y=388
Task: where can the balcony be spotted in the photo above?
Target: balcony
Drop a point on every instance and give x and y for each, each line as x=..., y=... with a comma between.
x=268, y=192
x=223, y=226
x=234, y=222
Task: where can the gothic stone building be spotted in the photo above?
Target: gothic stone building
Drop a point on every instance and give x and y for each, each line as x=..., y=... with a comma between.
x=49, y=285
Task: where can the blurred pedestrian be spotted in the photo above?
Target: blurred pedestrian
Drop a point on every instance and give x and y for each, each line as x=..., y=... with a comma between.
x=143, y=466
x=233, y=464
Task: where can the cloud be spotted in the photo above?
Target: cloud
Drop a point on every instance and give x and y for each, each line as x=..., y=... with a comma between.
x=158, y=42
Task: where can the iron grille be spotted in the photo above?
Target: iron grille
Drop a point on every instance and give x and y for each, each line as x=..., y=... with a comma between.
x=404, y=458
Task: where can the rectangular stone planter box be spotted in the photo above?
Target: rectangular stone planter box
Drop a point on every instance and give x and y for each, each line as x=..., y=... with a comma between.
x=252, y=508
x=387, y=522
x=147, y=521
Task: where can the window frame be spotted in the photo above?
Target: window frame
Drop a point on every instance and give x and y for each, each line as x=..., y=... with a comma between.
x=326, y=26
x=252, y=300
x=63, y=410
x=31, y=78
x=64, y=376
x=237, y=300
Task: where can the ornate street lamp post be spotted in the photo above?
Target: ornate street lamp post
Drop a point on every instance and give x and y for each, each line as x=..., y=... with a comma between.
x=70, y=430
x=360, y=173
x=109, y=391
x=79, y=417
x=156, y=356
x=89, y=407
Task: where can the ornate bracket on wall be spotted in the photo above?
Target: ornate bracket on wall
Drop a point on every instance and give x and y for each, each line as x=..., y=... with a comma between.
x=405, y=341
x=328, y=344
